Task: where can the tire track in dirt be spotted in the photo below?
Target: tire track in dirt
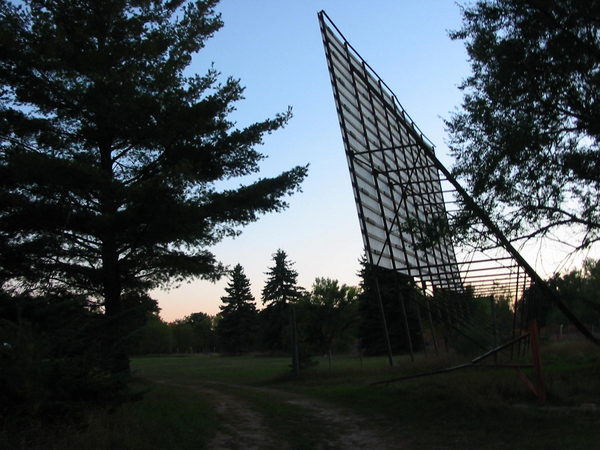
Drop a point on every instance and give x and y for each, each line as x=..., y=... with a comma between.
x=349, y=429
x=352, y=430
x=240, y=427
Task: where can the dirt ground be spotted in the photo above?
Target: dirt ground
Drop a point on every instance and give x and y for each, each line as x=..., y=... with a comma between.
x=243, y=427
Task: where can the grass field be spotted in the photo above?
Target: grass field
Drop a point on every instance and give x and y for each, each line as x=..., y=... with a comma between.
x=468, y=409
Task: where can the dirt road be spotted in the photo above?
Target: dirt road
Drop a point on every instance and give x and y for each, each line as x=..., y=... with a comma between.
x=243, y=426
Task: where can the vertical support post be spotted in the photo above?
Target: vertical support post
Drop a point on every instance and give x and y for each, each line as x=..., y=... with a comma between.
x=516, y=305
x=384, y=322
x=420, y=322
x=295, y=352
x=534, y=339
x=494, y=328
x=522, y=344
x=405, y=320
x=433, y=334
x=430, y=318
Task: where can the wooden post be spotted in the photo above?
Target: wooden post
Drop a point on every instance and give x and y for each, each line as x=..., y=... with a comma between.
x=494, y=332
x=384, y=323
x=405, y=320
x=431, y=327
x=420, y=322
x=295, y=352
x=537, y=359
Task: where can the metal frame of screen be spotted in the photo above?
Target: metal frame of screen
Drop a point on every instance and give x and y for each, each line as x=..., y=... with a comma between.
x=403, y=193
x=394, y=181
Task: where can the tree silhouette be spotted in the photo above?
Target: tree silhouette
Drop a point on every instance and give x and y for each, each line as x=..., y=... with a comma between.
x=329, y=314
x=238, y=319
x=526, y=139
x=109, y=150
x=279, y=291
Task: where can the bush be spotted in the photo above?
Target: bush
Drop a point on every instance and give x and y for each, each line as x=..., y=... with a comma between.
x=55, y=358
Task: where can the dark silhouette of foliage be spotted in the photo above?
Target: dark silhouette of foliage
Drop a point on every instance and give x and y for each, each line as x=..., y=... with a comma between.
x=526, y=139
x=328, y=316
x=472, y=324
x=203, y=326
x=281, y=286
x=393, y=287
x=193, y=334
x=238, y=320
x=580, y=290
x=279, y=291
x=155, y=337
x=54, y=362
x=109, y=151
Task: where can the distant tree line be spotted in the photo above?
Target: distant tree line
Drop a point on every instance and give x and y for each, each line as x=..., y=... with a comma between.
x=331, y=317
x=327, y=318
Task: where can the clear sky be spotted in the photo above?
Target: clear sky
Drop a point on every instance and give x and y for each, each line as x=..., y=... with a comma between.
x=274, y=47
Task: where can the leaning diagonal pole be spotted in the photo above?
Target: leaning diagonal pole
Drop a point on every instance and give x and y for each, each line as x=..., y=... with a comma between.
x=487, y=221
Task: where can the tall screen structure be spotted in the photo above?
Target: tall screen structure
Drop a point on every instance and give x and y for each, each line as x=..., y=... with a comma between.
x=395, y=182
x=407, y=205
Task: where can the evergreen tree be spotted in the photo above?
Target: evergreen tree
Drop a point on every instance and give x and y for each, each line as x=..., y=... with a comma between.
x=281, y=286
x=279, y=291
x=393, y=287
x=238, y=319
x=109, y=150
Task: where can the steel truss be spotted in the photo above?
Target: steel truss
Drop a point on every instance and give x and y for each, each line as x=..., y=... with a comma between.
x=406, y=201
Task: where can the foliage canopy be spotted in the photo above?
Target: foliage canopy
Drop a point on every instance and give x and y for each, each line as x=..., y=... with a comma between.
x=329, y=315
x=526, y=139
x=109, y=150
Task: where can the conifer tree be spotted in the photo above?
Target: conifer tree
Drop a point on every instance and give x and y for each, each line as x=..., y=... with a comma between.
x=237, y=325
x=279, y=292
x=109, y=149
x=281, y=286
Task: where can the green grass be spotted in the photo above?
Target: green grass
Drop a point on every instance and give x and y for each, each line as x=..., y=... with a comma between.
x=468, y=409
x=188, y=369
x=167, y=417
x=472, y=408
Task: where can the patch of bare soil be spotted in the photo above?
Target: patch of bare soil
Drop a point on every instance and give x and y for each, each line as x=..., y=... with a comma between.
x=353, y=431
x=349, y=429
x=240, y=427
x=243, y=428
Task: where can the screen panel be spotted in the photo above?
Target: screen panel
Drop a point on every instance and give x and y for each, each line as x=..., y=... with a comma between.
x=395, y=182
x=402, y=192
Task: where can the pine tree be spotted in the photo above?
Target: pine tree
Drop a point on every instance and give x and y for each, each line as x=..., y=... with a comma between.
x=279, y=292
x=109, y=150
x=281, y=286
x=392, y=287
x=237, y=325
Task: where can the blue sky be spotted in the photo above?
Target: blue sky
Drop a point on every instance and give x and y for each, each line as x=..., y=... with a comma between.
x=274, y=47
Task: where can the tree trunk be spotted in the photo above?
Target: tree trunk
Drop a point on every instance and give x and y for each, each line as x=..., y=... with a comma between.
x=115, y=324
